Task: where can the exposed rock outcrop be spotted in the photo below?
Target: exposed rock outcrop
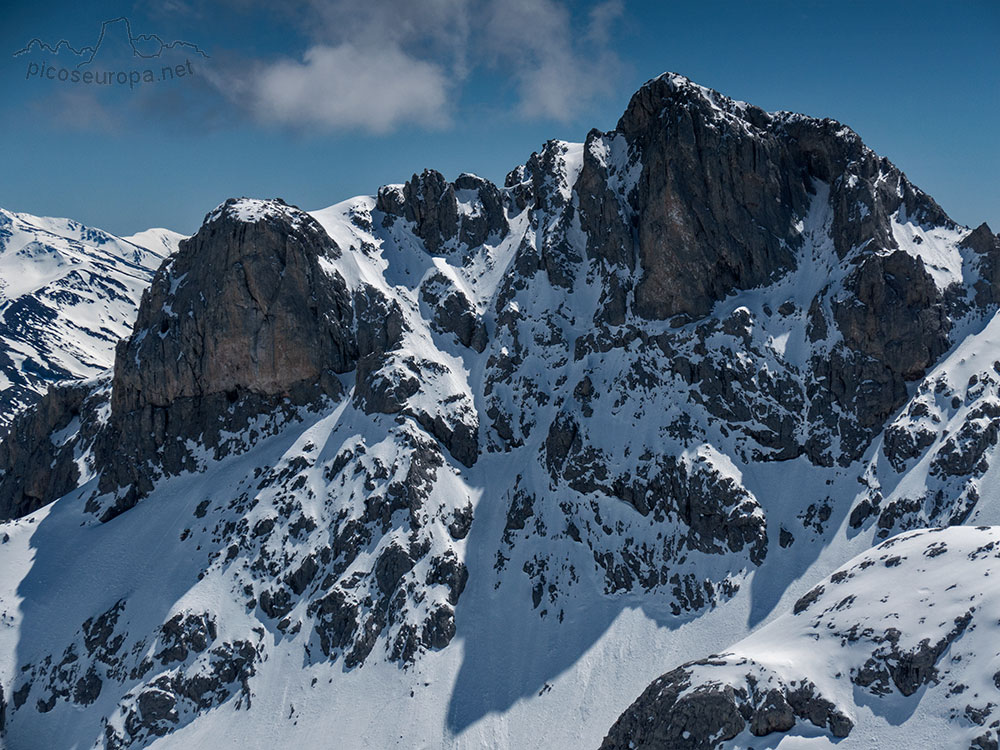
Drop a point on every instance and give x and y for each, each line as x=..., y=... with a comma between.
x=723, y=182
x=38, y=455
x=986, y=245
x=716, y=198
x=244, y=317
x=433, y=205
x=686, y=710
x=246, y=305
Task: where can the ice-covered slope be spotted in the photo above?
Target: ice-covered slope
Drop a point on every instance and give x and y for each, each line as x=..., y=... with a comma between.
x=68, y=293
x=460, y=465
x=898, y=648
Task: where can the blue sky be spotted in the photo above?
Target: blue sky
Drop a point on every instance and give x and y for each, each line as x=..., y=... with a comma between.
x=316, y=101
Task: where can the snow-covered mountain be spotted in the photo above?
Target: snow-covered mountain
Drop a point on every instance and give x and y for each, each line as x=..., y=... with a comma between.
x=68, y=293
x=460, y=465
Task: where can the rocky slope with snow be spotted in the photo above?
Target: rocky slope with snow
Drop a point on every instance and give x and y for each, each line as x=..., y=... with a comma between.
x=462, y=465
x=904, y=633
x=68, y=293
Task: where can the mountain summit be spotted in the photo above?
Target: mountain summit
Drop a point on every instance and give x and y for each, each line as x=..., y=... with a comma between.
x=462, y=465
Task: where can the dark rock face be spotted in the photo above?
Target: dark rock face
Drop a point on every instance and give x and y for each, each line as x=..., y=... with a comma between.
x=986, y=245
x=722, y=183
x=453, y=312
x=686, y=709
x=488, y=218
x=714, y=210
x=701, y=719
x=391, y=566
x=773, y=715
x=432, y=204
x=183, y=634
x=716, y=510
x=336, y=621
x=37, y=466
x=964, y=452
x=380, y=325
x=243, y=317
x=461, y=522
x=244, y=305
x=439, y=628
x=896, y=318
x=718, y=514
x=894, y=325
x=907, y=669
x=428, y=200
x=604, y=213
x=716, y=204
x=157, y=709
x=99, y=636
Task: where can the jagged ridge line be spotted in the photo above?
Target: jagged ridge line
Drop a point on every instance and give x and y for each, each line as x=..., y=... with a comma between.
x=132, y=39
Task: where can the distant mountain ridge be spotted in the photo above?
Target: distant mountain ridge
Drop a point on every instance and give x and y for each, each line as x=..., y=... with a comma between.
x=68, y=293
x=466, y=465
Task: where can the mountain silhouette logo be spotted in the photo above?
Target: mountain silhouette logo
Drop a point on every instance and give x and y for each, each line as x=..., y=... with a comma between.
x=144, y=46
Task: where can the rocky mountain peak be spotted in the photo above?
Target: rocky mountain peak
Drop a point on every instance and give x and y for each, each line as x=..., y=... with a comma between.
x=724, y=186
x=981, y=239
x=468, y=211
x=255, y=210
x=246, y=304
x=247, y=314
x=670, y=92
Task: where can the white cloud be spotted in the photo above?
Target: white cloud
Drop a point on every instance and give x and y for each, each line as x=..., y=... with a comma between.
x=603, y=17
x=558, y=69
x=378, y=65
x=437, y=29
x=376, y=88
